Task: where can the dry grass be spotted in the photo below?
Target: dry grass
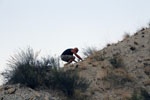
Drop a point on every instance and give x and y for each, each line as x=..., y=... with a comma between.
x=89, y=51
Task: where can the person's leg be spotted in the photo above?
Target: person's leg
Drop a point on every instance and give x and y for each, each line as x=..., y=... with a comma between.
x=68, y=58
x=71, y=59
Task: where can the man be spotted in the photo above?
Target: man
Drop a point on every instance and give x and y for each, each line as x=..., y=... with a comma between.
x=68, y=57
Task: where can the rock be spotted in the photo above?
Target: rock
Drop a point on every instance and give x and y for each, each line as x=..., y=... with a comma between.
x=11, y=90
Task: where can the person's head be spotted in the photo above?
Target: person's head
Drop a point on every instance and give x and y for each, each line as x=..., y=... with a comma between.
x=76, y=50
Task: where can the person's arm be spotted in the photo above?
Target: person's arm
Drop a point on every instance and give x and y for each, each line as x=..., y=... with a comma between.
x=75, y=53
x=77, y=56
x=75, y=61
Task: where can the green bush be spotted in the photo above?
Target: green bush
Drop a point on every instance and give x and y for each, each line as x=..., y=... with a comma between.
x=26, y=69
x=68, y=82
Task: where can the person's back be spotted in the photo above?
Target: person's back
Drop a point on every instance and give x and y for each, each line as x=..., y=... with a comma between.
x=67, y=52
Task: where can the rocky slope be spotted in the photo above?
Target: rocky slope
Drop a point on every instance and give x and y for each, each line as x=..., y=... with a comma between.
x=114, y=72
x=18, y=92
x=119, y=69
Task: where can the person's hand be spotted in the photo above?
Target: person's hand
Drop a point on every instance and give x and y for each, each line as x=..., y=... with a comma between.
x=80, y=60
x=75, y=61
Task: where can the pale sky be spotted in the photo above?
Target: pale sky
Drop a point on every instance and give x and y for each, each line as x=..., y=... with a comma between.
x=54, y=25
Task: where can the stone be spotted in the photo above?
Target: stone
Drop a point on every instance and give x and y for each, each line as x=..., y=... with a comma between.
x=11, y=90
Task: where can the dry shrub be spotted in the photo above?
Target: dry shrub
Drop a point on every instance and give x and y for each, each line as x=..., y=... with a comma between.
x=142, y=94
x=26, y=69
x=116, y=62
x=89, y=51
x=126, y=35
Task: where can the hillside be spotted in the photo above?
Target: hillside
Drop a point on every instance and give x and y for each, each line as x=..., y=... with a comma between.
x=114, y=73
x=119, y=69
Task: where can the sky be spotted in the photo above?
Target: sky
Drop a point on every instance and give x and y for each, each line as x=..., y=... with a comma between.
x=55, y=25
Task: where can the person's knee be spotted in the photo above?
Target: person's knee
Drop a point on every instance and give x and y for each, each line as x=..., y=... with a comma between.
x=73, y=58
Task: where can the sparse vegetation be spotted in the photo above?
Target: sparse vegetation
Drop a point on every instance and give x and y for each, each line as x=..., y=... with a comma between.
x=89, y=51
x=135, y=43
x=143, y=95
x=117, y=80
x=108, y=44
x=116, y=62
x=99, y=57
x=141, y=29
x=112, y=74
x=132, y=48
x=26, y=69
x=126, y=35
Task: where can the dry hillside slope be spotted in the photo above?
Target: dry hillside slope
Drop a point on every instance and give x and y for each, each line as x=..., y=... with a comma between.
x=119, y=69
x=114, y=72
